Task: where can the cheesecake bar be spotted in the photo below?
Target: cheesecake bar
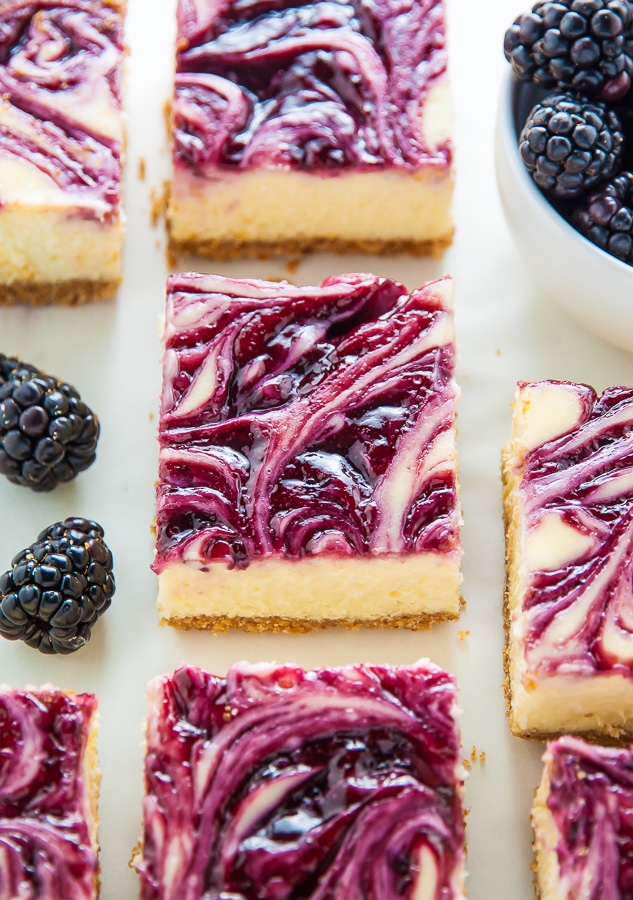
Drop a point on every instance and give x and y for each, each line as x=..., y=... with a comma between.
x=311, y=126
x=583, y=822
x=308, y=471
x=61, y=141
x=49, y=785
x=278, y=783
x=568, y=476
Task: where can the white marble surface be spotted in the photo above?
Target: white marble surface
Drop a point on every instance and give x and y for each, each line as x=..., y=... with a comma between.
x=506, y=332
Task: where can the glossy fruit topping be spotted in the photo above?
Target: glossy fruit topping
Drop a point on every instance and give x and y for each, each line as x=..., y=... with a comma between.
x=280, y=784
x=300, y=421
x=46, y=843
x=320, y=85
x=60, y=79
x=591, y=802
x=576, y=496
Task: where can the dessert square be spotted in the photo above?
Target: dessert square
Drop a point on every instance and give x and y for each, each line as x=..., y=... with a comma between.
x=311, y=126
x=308, y=472
x=49, y=786
x=278, y=783
x=569, y=530
x=61, y=137
x=583, y=822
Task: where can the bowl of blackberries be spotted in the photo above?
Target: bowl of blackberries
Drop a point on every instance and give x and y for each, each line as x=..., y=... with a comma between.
x=565, y=156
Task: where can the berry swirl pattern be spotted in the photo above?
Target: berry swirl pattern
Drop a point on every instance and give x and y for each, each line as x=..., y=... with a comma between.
x=323, y=85
x=279, y=784
x=579, y=614
x=591, y=801
x=45, y=844
x=60, y=69
x=299, y=421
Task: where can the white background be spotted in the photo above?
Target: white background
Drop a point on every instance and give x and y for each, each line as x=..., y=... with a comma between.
x=111, y=352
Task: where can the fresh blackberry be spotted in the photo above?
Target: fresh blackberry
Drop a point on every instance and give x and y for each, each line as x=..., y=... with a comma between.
x=581, y=44
x=57, y=588
x=606, y=217
x=570, y=145
x=47, y=433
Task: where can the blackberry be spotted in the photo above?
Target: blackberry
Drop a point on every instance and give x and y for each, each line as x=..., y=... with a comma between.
x=57, y=588
x=581, y=44
x=47, y=433
x=570, y=145
x=606, y=217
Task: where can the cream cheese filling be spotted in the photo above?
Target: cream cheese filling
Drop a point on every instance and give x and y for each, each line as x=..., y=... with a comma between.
x=573, y=703
x=543, y=412
x=46, y=245
x=315, y=589
x=554, y=543
x=274, y=205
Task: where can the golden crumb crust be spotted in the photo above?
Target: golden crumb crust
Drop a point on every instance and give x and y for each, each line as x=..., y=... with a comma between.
x=63, y=293
x=233, y=249
x=221, y=624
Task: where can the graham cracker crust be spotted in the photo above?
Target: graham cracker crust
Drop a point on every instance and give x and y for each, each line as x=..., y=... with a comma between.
x=63, y=293
x=226, y=249
x=221, y=624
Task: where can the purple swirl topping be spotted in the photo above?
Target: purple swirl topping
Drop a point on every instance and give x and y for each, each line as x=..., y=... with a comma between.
x=280, y=784
x=46, y=849
x=591, y=801
x=301, y=421
x=60, y=73
x=324, y=85
x=579, y=614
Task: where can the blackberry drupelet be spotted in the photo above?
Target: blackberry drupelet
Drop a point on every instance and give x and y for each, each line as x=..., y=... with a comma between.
x=606, y=217
x=47, y=433
x=8, y=365
x=586, y=45
x=570, y=145
x=57, y=588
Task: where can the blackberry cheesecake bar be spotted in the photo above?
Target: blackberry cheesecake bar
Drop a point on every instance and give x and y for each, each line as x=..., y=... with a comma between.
x=569, y=526
x=583, y=827
x=49, y=786
x=276, y=782
x=302, y=126
x=61, y=141
x=308, y=472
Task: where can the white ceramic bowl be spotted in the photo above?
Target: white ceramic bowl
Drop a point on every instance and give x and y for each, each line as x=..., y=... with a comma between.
x=593, y=287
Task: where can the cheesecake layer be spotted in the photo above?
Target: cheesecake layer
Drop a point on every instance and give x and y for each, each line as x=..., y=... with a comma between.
x=308, y=465
x=276, y=782
x=300, y=123
x=77, y=250
x=260, y=211
x=60, y=150
x=313, y=593
x=582, y=822
x=568, y=494
x=602, y=705
x=49, y=786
